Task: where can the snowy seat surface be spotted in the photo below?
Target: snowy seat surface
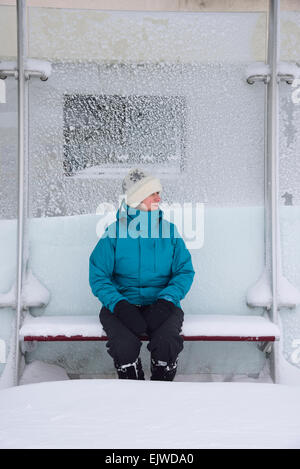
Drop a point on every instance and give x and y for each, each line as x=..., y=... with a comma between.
x=195, y=327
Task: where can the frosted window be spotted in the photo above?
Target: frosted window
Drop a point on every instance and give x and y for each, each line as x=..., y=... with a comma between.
x=106, y=131
x=8, y=119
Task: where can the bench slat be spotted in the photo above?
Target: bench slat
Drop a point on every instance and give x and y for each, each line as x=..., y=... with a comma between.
x=196, y=327
x=197, y=338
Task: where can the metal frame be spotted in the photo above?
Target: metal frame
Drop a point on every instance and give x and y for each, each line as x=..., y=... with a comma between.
x=27, y=74
x=22, y=186
x=288, y=78
x=273, y=166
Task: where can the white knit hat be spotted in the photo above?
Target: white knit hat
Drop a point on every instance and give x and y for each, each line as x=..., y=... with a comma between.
x=138, y=185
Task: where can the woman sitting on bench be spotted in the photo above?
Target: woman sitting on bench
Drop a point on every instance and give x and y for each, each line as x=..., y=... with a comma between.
x=140, y=269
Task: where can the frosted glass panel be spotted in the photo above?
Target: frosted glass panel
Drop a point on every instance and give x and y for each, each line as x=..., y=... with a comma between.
x=8, y=176
x=8, y=150
x=139, y=37
x=290, y=113
x=211, y=152
x=289, y=182
x=8, y=116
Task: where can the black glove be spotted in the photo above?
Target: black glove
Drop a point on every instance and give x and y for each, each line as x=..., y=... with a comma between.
x=157, y=313
x=131, y=317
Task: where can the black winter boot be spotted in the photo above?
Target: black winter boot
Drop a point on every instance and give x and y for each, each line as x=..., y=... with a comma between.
x=131, y=370
x=163, y=371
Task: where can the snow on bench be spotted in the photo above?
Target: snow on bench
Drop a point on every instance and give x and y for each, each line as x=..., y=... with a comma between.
x=195, y=328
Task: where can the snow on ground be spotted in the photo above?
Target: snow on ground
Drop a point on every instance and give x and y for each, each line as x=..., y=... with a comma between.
x=39, y=372
x=111, y=413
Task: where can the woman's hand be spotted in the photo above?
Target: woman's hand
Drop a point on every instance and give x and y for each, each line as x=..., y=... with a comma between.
x=131, y=317
x=157, y=313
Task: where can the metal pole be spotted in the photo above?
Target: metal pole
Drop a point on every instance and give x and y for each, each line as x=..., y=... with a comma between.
x=273, y=166
x=273, y=110
x=21, y=28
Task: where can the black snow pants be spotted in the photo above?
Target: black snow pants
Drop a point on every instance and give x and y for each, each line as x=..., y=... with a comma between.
x=165, y=343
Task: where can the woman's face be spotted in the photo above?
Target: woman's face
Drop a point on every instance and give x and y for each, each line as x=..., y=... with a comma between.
x=151, y=202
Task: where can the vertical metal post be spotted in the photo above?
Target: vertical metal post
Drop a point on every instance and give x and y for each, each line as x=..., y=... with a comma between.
x=21, y=28
x=273, y=166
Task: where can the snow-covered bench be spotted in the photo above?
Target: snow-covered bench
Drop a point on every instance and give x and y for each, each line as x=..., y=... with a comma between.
x=195, y=328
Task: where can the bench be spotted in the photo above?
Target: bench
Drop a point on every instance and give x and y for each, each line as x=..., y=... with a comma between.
x=196, y=327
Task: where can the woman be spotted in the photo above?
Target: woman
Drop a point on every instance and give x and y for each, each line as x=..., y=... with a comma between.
x=140, y=270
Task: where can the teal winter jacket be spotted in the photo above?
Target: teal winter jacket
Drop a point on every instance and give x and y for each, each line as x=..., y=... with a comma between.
x=140, y=257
